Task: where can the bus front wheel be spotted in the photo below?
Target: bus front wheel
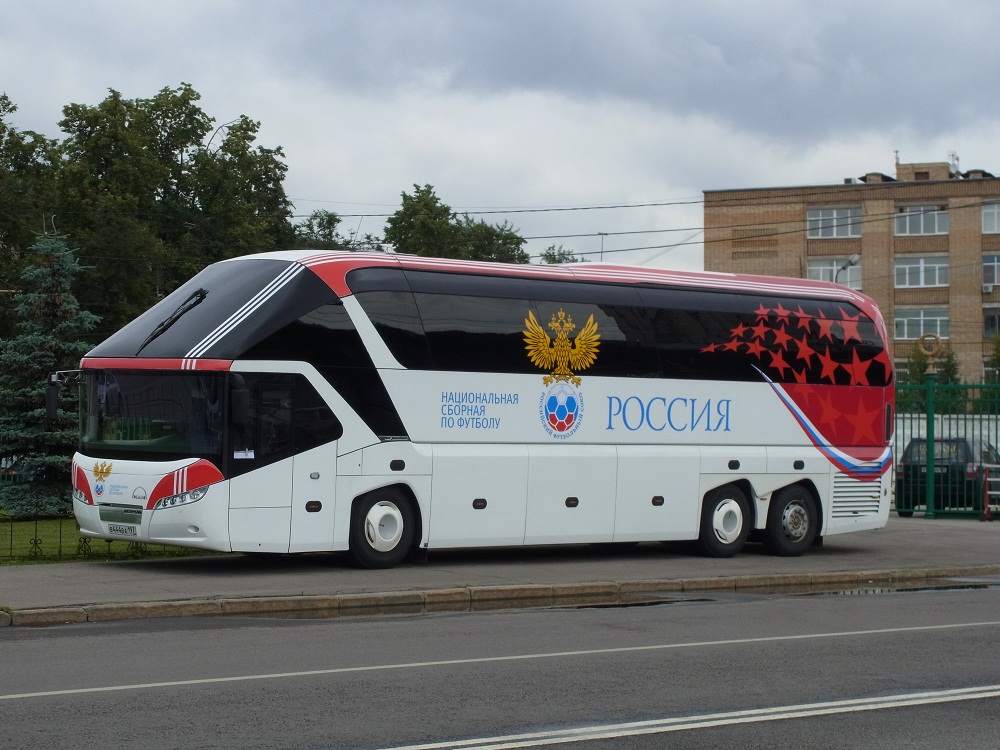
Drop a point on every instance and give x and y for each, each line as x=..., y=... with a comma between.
x=725, y=522
x=382, y=528
x=792, y=522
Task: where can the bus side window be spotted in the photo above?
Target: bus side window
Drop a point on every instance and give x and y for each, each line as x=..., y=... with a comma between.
x=274, y=420
x=314, y=422
x=287, y=416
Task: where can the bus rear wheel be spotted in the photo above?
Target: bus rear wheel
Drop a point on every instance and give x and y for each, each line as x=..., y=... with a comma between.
x=792, y=522
x=725, y=522
x=382, y=528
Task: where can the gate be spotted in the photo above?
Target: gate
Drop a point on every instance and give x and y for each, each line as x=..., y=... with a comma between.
x=949, y=433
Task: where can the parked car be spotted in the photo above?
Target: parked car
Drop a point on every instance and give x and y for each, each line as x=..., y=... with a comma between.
x=961, y=475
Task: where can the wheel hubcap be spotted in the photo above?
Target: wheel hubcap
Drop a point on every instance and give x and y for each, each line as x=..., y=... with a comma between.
x=727, y=521
x=794, y=522
x=384, y=526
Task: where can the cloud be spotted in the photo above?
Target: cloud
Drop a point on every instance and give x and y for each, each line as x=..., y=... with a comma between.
x=528, y=105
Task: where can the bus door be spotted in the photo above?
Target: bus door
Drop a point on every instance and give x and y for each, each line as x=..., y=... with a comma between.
x=284, y=467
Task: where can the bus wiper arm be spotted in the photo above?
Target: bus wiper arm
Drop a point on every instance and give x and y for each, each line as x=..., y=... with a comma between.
x=191, y=302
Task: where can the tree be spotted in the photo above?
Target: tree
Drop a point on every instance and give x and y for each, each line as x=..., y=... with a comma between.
x=481, y=241
x=151, y=194
x=945, y=365
x=555, y=255
x=51, y=324
x=26, y=194
x=993, y=362
x=320, y=231
x=424, y=225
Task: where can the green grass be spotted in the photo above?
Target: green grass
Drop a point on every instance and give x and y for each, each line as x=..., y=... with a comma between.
x=58, y=540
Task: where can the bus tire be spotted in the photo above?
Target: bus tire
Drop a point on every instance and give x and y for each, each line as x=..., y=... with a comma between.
x=382, y=527
x=725, y=522
x=792, y=522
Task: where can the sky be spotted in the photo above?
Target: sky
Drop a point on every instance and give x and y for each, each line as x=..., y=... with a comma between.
x=591, y=124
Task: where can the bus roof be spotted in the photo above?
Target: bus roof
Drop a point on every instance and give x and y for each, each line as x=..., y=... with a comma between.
x=333, y=266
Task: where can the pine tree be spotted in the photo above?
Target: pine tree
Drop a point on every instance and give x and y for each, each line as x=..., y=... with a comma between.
x=51, y=323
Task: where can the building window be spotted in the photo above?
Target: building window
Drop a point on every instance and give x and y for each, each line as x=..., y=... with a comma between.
x=913, y=323
x=991, y=269
x=991, y=322
x=991, y=218
x=830, y=223
x=919, y=220
x=829, y=269
x=922, y=271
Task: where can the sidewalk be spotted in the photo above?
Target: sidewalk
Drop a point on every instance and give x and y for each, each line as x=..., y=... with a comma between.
x=326, y=585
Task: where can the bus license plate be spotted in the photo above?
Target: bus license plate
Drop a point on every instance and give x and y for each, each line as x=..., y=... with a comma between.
x=117, y=528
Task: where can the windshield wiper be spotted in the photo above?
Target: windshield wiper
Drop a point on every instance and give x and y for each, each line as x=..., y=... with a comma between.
x=187, y=305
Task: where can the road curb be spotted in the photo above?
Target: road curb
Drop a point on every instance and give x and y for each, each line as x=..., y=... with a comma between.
x=481, y=598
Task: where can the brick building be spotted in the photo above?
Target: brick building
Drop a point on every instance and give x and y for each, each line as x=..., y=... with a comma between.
x=924, y=244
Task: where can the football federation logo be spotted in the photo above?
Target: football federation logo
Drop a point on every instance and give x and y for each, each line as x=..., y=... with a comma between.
x=561, y=406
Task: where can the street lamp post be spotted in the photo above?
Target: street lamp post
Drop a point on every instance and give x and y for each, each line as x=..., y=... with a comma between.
x=852, y=261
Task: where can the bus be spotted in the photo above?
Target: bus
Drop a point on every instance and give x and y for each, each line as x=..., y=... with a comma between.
x=386, y=405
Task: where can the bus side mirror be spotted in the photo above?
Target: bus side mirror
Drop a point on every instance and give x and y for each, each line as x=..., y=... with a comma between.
x=51, y=399
x=239, y=404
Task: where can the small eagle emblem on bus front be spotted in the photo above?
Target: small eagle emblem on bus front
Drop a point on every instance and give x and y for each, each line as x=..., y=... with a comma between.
x=561, y=353
x=102, y=470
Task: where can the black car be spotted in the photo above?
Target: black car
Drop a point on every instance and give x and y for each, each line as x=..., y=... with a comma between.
x=961, y=475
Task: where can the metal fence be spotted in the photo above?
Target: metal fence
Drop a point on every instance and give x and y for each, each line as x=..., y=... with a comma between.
x=949, y=433
x=41, y=539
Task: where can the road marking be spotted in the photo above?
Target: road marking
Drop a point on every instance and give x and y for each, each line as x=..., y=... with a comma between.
x=704, y=721
x=489, y=659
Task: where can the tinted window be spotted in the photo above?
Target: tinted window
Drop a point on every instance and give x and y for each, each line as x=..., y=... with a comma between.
x=474, y=323
x=327, y=339
x=222, y=312
x=287, y=416
x=395, y=317
x=148, y=415
x=479, y=334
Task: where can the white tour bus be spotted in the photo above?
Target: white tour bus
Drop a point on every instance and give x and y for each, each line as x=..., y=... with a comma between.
x=386, y=404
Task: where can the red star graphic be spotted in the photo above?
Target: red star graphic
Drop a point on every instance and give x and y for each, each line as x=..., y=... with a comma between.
x=755, y=349
x=738, y=332
x=762, y=312
x=781, y=338
x=858, y=369
x=731, y=346
x=760, y=331
x=710, y=348
x=850, y=326
x=825, y=326
x=829, y=415
x=800, y=377
x=778, y=363
x=883, y=359
x=829, y=366
x=805, y=352
x=866, y=422
x=782, y=313
x=802, y=320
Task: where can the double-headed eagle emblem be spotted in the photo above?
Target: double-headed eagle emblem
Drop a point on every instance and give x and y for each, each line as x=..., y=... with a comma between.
x=102, y=470
x=580, y=353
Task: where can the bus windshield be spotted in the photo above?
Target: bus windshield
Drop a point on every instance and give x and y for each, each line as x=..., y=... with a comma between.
x=152, y=415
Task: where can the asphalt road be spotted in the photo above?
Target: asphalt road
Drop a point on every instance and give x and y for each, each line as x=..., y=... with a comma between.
x=725, y=670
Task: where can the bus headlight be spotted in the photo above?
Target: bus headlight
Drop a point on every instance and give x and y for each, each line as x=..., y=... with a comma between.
x=184, y=498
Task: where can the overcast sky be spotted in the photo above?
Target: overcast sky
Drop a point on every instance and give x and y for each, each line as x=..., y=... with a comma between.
x=515, y=106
